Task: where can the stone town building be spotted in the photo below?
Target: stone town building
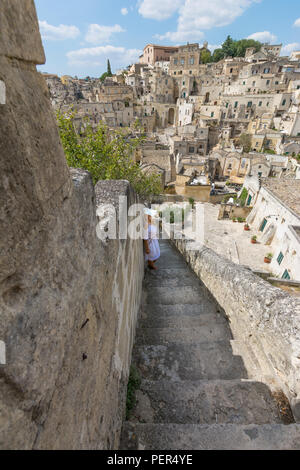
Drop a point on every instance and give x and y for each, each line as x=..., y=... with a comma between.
x=70, y=299
x=155, y=53
x=186, y=60
x=276, y=218
x=236, y=165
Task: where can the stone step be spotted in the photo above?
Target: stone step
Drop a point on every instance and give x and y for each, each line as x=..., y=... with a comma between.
x=252, y=365
x=210, y=437
x=178, y=310
x=205, y=402
x=183, y=320
x=182, y=335
x=167, y=262
x=170, y=258
x=211, y=360
x=170, y=296
x=172, y=278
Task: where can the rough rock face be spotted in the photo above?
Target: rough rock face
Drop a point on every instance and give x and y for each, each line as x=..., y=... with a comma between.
x=261, y=316
x=65, y=296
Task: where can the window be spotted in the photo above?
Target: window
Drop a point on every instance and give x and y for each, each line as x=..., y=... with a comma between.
x=280, y=258
x=268, y=82
x=191, y=149
x=182, y=61
x=175, y=61
x=236, y=104
x=260, y=103
x=192, y=60
x=212, y=114
x=249, y=104
x=263, y=225
x=249, y=200
x=286, y=275
x=283, y=102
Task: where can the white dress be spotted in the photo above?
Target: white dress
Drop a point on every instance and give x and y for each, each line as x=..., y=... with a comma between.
x=152, y=237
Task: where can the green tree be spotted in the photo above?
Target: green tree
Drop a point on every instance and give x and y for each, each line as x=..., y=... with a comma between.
x=229, y=47
x=108, y=68
x=103, y=76
x=108, y=73
x=245, y=141
x=205, y=56
x=233, y=48
x=218, y=55
x=243, y=44
x=105, y=154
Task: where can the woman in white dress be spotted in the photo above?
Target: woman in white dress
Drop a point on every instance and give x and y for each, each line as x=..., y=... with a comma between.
x=151, y=243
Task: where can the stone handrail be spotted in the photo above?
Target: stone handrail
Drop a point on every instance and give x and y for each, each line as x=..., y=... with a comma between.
x=264, y=317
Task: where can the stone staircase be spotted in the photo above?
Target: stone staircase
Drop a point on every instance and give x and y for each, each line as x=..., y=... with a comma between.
x=195, y=393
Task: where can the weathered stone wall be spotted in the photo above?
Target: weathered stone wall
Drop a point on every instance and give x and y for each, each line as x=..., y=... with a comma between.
x=264, y=318
x=68, y=301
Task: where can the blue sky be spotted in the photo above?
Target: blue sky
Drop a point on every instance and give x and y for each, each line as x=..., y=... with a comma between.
x=80, y=35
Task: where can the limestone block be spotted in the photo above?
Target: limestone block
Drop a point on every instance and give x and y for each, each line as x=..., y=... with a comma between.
x=20, y=37
x=34, y=176
x=68, y=301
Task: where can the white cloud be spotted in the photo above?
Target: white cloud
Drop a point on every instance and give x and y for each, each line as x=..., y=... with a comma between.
x=124, y=11
x=159, y=9
x=288, y=48
x=263, y=36
x=98, y=33
x=181, y=36
x=297, y=22
x=97, y=56
x=213, y=47
x=58, y=33
x=194, y=15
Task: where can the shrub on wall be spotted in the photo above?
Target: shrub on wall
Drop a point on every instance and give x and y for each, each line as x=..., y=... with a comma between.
x=105, y=153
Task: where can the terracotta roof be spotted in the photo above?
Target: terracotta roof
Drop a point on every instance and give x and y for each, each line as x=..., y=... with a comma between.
x=287, y=191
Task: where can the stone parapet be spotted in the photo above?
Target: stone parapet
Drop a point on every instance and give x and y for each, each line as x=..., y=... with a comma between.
x=68, y=300
x=265, y=318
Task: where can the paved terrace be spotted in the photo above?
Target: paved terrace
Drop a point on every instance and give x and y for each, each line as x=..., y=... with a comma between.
x=230, y=240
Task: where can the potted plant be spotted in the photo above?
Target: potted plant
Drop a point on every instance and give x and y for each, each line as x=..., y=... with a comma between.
x=241, y=220
x=246, y=227
x=254, y=239
x=192, y=202
x=234, y=219
x=268, y=258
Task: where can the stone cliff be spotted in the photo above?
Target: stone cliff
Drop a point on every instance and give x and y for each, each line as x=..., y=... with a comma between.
x=65, y=296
